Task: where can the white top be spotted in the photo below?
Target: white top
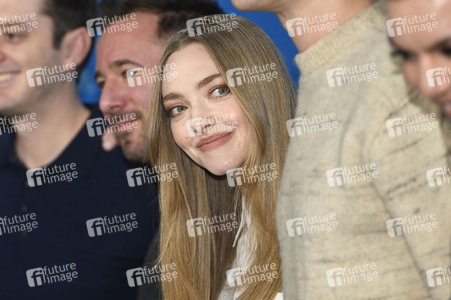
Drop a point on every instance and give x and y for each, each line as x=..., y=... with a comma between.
x=244, y=256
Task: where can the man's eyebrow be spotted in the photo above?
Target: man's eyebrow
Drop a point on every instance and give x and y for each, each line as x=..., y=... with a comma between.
x=440, y=44
x=117, y=64
x=121, y=62
x=207, y=80
x=437, y=45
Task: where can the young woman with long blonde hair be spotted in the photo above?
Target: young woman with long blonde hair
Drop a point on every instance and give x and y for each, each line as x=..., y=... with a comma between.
x=225, y=109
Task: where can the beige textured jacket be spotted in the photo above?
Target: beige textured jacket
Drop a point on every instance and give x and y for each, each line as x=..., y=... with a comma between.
x=363, y=209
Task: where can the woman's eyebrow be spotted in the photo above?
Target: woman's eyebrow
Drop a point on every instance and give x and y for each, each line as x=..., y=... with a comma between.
x=171, y=96
x=199, y=85
x=207, y=80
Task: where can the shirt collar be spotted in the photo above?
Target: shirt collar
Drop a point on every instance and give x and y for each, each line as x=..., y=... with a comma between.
x=82, y=150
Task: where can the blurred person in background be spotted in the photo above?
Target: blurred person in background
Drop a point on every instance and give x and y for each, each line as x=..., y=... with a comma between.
x=71, y=224
x=366, y=150
x=426, y=54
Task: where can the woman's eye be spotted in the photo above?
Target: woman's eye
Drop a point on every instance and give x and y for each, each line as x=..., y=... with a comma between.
x=176, y=110
x=220, y=91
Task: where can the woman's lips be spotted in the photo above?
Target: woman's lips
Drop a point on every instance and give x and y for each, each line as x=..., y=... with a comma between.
x=214, y=141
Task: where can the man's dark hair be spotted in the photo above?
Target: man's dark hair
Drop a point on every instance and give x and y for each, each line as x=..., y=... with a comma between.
x=68, y=15
x=173, y=14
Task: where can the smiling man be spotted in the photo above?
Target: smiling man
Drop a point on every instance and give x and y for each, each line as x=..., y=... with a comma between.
x=71, y=224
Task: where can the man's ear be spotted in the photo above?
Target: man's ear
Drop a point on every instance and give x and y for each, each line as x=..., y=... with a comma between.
x=75, y=46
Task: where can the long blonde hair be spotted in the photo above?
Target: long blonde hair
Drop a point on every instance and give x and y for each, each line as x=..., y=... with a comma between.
x=202, y=261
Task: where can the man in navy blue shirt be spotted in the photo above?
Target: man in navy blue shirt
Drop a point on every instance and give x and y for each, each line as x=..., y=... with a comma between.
x=73, y=219
x=119, y=73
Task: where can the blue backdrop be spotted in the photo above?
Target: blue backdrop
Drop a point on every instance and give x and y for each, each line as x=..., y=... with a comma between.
x=267, y=21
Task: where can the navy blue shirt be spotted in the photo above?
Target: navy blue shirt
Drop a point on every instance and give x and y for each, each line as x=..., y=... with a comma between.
x=73, y=229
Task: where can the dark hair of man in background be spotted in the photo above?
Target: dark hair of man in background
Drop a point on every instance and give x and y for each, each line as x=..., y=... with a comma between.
x=173, y=13
x=68, y=15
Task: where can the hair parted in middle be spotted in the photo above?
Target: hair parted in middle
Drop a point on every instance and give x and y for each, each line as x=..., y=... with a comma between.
x=202, y=261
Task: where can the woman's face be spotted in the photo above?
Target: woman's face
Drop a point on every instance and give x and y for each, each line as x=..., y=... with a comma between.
x=207, y=122
x=424, y=42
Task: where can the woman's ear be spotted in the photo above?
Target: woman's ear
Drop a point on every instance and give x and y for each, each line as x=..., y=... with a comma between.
x=75, y=46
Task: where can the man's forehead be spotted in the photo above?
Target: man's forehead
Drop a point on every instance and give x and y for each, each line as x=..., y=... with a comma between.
x=146, y=25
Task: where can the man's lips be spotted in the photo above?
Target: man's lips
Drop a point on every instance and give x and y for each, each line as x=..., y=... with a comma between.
x=214, y=141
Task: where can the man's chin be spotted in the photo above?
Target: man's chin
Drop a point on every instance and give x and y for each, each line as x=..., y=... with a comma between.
x=134, y=151
x=133, y=156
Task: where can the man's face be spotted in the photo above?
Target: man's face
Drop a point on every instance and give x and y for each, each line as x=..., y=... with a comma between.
x=116, y=53
x=422, y=35
x=21, y=50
